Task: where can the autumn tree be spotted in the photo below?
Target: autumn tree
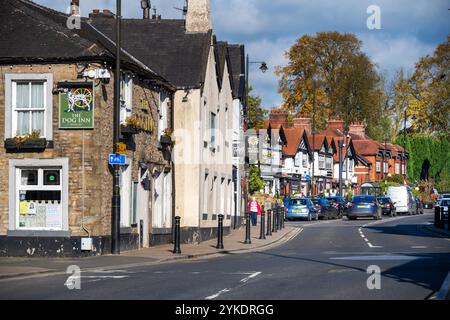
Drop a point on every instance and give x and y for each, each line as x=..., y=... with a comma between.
x=429, y=93
x=330, y=68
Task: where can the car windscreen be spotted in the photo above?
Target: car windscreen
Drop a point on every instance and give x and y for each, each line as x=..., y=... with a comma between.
x=445, y=203
x=363, y=199
x=298, y=202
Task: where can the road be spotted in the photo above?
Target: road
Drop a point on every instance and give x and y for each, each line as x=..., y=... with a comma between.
x=327, y=260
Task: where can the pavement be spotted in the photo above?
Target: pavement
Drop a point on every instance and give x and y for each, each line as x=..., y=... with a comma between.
x=13, y=267
x=395, y=258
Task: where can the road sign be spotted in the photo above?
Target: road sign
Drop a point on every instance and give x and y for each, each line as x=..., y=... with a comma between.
x=119, y=159
x=121, y=148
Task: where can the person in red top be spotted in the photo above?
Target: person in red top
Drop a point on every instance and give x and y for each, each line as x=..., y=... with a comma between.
x=255, y=210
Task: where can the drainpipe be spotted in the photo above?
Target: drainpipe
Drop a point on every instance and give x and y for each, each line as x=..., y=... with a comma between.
x=83, y=185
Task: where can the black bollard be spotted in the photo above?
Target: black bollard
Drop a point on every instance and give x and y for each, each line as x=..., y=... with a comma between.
x=220, y=232
x=262, y=234
x=274, y=216
x=269, y=222
x=437, y=213
x=441, y=219
x=176, y=247
x=279, y=217
x=247, y=228
x=283, y=214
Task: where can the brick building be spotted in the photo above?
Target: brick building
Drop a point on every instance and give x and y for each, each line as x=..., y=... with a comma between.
x=56, y=120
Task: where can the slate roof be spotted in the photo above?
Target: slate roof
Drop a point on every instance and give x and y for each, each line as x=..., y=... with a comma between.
x=237, y=66
x=30, y=32
x=164, y=46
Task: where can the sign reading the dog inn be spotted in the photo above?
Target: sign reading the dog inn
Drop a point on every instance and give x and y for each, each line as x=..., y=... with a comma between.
x=76, y=106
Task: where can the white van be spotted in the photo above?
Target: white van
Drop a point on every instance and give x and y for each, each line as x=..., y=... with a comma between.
x=403, y=199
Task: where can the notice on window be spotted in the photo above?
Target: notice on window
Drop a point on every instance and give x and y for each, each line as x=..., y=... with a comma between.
x=23, y=207
x=31, y=208
x=54, y=216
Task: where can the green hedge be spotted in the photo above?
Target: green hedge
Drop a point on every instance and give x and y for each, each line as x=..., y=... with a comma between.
x=437, y=152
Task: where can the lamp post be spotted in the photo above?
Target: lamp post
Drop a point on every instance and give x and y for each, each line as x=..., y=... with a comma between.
x=263, y=67
x=115, y=219
x=313, y=137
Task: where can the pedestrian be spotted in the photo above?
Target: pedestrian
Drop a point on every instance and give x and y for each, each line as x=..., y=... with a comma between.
x=255, y=210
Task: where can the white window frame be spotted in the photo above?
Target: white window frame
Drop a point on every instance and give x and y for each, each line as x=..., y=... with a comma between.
x=10, y=100
x=14, y=186
x=162, y=121
x=329, y=163
x=378, y=166
x=126, y=96
x=298, y=159
x=321, y=161
x=385, y=167
x=397, y=168
x=305, y=160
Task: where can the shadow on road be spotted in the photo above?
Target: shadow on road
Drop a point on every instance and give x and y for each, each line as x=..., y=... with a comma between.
x=415, y=230
x=428, y=270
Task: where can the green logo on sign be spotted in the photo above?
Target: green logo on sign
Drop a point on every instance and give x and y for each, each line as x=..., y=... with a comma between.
x=76, y=108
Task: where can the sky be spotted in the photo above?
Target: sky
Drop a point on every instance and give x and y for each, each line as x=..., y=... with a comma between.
x=409, y=29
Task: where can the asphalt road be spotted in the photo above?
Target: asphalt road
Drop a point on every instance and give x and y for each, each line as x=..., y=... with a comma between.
x=327, y=260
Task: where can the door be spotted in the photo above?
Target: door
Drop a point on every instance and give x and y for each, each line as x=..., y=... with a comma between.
x=125, y=196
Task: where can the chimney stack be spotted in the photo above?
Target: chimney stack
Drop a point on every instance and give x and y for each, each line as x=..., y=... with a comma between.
x=198, y=17
x=305, y=123
x=146, y=6
x=75, y=7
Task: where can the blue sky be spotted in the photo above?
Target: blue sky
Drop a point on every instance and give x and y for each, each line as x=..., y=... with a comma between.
x=409, y=28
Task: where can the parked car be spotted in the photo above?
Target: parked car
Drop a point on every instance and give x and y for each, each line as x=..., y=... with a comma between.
x=364, y=206
x=387, y=206
x=301, y=208
x=325, y=208
x=444, y=196
x=338, y=201
x=444, y=203
x=402, y=198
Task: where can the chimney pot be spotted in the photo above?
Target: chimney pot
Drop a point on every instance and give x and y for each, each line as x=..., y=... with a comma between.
x=75, y=7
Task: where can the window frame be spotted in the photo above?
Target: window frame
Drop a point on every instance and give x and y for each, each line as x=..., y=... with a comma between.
x=11, y=80
x=15, y=167
x=377, y=166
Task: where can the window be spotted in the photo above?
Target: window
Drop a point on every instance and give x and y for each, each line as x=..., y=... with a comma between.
x=162, y=124
x=212, y=128
x=39, y=197
x=126, y=96
x=378, y=166
x=403, y=169
x=385, y=167
x=397, y=168
x=329, y=163
x=28, y=101
x=321, y=162
x=305, y=160
x=344, y=165
x=297, y=159
x=350, y=165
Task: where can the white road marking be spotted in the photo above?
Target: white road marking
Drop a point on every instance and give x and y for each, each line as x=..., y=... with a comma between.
x=372, y=246
x=217, y=294
x=381, y=258
x=251, y=276
x=419, y=247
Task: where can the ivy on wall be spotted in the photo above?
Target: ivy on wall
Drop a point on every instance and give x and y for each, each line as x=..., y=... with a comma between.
x=423, y=149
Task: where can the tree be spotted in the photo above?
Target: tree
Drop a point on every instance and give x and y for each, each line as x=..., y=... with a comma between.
x=256, y=113
x=256, y=183
x=331, y=67
x=428, y=93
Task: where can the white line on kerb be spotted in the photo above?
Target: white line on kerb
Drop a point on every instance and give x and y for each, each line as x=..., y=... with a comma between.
x=217, y=294
x=251, y=276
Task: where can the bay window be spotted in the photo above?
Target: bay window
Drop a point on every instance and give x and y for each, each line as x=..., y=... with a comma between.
x=329, y=163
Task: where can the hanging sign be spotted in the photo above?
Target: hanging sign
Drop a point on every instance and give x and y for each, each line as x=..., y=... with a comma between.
x=76, y=106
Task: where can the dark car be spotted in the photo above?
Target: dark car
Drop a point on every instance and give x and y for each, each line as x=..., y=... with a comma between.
x=387, y=206
x=444, y=203
x=325, y=208
x=364, y=206
x=338, y=201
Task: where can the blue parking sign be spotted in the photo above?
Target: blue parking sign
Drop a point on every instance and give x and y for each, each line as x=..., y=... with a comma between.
x=117, y=159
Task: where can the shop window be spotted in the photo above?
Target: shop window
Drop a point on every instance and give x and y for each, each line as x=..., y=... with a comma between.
x=39, y=199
